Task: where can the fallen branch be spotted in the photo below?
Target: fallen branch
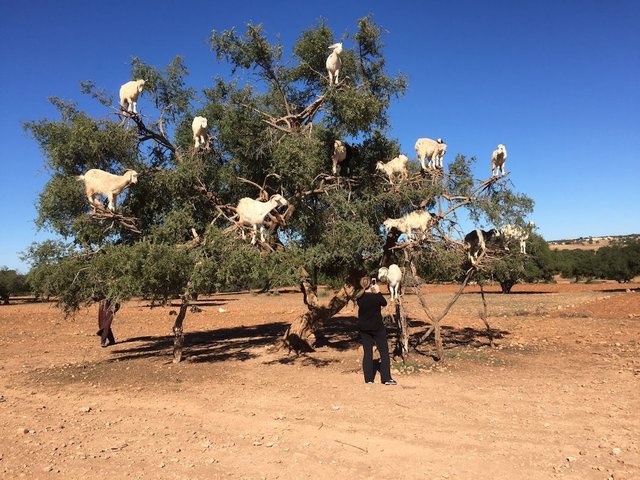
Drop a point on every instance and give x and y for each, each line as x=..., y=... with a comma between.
x=351, y=445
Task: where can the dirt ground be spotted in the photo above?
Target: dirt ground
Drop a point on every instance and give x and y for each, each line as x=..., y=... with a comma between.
x=559, y=396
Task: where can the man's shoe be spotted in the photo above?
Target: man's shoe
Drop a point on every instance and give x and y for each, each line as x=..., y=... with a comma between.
x=391, y=382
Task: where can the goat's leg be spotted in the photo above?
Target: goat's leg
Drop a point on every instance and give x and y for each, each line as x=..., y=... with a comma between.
x=336, y=76
x=112, y=206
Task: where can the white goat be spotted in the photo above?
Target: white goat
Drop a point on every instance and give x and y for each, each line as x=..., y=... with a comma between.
x=476, y=243
x=400, y=165
x=498, y=159
x=343, y=153
x=393, y=277
x=252, y=213
x=519, y=234
x=129, y=95
x=99, y=182
x=200, y=132
x=434, y=150
x=334, y=63
x=417, y=220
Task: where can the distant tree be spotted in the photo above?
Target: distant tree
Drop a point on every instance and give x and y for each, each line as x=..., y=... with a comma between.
x=514, y=267
x=11, y=283
x=577, y=264
x=620, y=262
x=174, y=233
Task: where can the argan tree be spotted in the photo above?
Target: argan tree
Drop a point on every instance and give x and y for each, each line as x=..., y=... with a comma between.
x=272, y=124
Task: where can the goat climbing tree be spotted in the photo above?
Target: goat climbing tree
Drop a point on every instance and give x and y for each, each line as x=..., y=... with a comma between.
x=272, y=124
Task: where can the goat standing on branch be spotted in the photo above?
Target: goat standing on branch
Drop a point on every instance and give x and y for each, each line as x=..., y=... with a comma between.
x=334, y=63
x=252, y=213
x=98, y=182
x=518, y=234
x=200, y=132
x=434, y=150
x=343, y=153
x=498, y=159
x=400, y=165
x=476, y=243
x=393, y=276
x=129, y=93
x=417, y=220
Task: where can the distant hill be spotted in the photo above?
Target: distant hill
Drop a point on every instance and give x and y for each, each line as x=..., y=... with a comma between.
x=590, y=243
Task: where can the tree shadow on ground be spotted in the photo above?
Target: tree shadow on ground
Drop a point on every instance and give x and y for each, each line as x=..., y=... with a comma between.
x=619, y=290
x=249, y=342
x=237, y=343
x=457, y=337
x=240, y=343
x=513, y=292
x=339, y=334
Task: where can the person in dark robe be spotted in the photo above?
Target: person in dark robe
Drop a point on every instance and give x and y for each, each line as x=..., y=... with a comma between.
x=106, y=310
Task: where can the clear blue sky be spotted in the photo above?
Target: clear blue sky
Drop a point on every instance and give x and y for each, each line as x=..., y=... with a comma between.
x=558, y=82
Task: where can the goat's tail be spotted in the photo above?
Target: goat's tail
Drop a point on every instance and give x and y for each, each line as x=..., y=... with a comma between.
x=80, y=178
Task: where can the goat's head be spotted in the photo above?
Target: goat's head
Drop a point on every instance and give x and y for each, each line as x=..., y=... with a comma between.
x=380, y=166
x=133, y=176
x=493, y=233
x=390, y=223
x=140, y=85
x=383, y=272
x=501, y=148
x=336, y=47
x=279, y=200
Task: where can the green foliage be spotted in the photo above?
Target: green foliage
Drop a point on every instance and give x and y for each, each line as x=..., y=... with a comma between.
x=260, y=138
x=578, y=264
x=11, y=283
x=167, y=88
x=620, y=262
x=77, y=142
x=440, y=264
x=515, y=267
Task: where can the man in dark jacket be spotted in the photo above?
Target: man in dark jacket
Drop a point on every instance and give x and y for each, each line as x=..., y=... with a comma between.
x=372, y=330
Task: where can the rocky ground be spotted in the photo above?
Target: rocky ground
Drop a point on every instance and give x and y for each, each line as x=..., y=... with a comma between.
x=557, y=398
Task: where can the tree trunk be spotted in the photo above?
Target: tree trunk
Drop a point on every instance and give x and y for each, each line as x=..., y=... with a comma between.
x=178, y=334
x=301, y=334
x=402, y=342
x=483, y=316
x=438, y=340
x=506, y=286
